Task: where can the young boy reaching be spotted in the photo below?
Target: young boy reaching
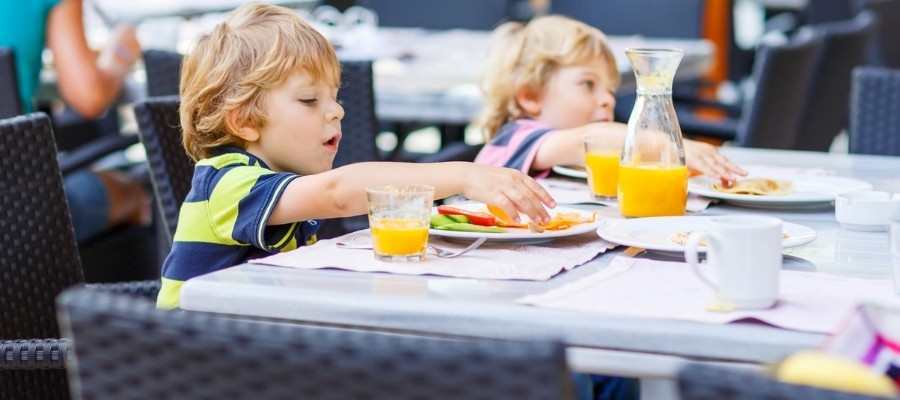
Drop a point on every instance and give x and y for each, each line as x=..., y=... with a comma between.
x=261, y=118
x=548, y=84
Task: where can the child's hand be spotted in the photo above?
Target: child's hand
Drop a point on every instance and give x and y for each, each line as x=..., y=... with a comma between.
x=706, y=158
x=509, y=189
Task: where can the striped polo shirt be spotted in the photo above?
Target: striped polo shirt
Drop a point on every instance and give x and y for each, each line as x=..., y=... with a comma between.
x=223, y=220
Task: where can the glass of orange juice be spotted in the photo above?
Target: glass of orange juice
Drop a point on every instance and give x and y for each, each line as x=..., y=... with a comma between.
x=399, y=217
x=601, y=160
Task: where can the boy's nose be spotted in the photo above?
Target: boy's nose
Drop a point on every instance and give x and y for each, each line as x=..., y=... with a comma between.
x=337, y=113
x=606, y=100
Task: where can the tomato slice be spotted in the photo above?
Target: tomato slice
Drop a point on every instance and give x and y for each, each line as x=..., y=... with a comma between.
x=476, y=218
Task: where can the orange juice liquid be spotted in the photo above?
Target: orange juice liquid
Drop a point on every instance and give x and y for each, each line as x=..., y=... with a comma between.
x=651, y=191
x=399, y=237
x=603, y=172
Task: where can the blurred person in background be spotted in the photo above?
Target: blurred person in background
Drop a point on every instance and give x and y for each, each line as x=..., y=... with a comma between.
x=88, y=83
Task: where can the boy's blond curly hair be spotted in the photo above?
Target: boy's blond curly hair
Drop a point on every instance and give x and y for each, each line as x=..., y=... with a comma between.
x=524, y=57
x=232, y=68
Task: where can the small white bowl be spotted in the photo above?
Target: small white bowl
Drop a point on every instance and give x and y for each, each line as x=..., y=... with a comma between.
x=866, y=210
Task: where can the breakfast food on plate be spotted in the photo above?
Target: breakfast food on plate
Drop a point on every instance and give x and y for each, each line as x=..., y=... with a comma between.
x=494, y=220
x=756, y=186
x=681, y=237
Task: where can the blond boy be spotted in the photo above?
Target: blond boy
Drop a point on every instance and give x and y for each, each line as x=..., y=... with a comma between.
x=260, y=117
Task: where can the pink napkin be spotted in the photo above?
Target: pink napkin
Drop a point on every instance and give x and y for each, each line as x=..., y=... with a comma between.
x=537, y=262
x=812, y=302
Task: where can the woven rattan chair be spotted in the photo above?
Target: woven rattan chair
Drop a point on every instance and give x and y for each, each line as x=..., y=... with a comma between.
x=843, y=48
x=875, y=111
x=163, y=70
x=359, y=128
x=171, y=169
x=38, y=259
x=103, y=256
x=771, y=119
x=885, y=52
x=705, y=382
x=126, y=349
x=10, y=103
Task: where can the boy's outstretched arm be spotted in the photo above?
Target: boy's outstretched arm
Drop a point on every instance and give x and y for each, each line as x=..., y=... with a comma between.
x=341, y=192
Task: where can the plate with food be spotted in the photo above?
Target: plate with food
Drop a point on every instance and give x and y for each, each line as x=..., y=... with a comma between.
x=669, y=234
x=572, y=171
x=476, y=220
x=777, y=192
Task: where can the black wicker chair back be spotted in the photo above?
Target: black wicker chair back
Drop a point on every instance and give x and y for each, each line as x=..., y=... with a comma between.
x=163, y=72
x=202, y=356
x=783, y=78
x=359, y=128
x=771, y=119
x=885, y=52
x=38, y=259
x=171, y=169
x=10, y=102
x=843, y=48
x=38, y=254
x=875, y=111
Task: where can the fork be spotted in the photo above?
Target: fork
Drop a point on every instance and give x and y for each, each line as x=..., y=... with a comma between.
x=443, y=253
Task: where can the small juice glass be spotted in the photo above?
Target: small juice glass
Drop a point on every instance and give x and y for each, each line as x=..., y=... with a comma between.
x=399, y=217
x=601, y=160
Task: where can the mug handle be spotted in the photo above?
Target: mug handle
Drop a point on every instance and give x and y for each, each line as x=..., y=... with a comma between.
x=690, y=255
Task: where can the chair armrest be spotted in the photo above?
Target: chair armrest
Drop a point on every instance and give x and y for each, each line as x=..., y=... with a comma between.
x=89, y=153
x=28, y=354
x=145, y=289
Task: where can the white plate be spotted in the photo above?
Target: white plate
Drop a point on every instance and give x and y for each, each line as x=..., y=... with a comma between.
x=653, y=233
x=808, y=191
x=570, y=172
x=517, y=235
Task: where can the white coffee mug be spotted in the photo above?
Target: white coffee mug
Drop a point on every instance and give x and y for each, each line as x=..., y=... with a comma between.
x=744, y=253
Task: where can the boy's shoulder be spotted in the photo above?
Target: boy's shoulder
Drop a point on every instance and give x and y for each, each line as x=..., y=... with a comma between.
x=231, y=167
x=514, y=131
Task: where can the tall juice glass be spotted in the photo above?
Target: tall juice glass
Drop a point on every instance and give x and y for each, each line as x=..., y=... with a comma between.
x=652, y=172
x=399, y=217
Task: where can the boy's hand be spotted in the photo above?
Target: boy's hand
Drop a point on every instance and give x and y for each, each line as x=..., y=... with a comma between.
x=509, y=189
x=706, y=158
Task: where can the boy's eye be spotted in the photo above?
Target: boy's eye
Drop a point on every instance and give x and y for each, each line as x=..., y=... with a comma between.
x=309, y=102
x=589, y=85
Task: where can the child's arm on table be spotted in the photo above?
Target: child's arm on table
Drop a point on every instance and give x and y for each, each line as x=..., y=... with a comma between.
x=707, y=159
x=341, y=192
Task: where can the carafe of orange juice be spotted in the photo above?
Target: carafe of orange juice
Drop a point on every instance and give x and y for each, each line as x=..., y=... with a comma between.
x=653, y=177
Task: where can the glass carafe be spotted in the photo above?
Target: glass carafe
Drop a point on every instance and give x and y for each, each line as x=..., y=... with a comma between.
x=653, y=176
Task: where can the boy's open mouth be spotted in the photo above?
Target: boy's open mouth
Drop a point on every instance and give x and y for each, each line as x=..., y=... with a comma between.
x=333, y=142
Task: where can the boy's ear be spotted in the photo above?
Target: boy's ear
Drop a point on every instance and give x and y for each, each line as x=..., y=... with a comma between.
x=243, y=129
x=529, y=101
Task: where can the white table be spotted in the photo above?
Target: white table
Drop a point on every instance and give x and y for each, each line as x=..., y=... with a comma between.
x=599, y=344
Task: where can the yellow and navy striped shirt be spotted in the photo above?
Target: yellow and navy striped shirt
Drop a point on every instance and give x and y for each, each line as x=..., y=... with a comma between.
x=223, y=220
